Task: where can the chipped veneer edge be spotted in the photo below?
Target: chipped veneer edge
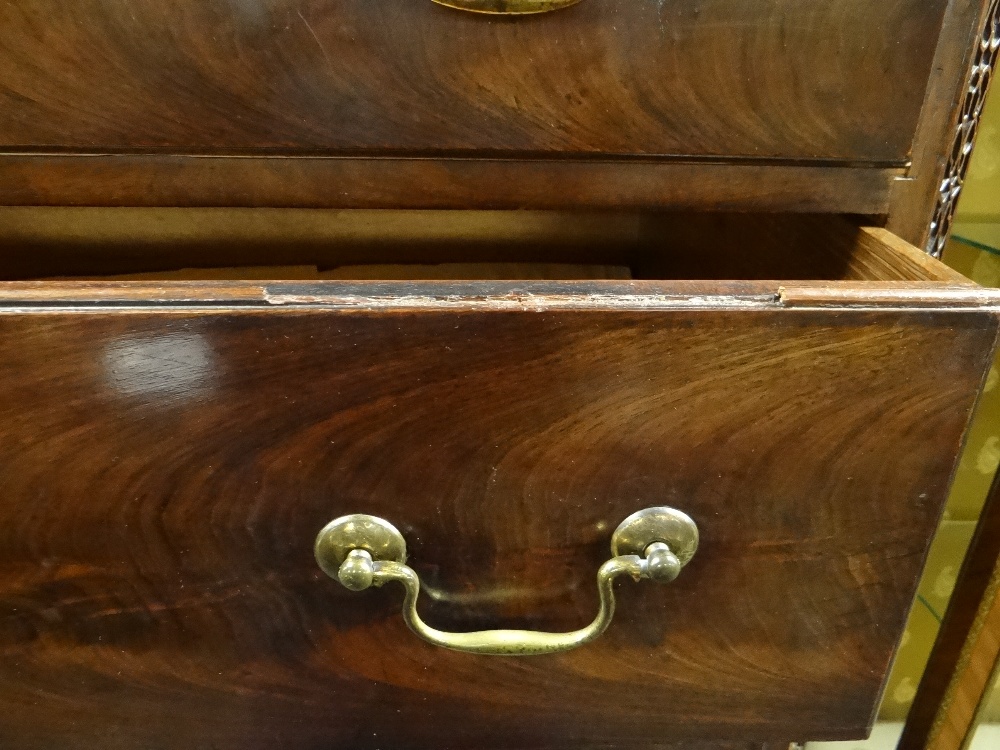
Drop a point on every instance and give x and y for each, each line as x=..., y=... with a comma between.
x=527, y=302
x=272, y=297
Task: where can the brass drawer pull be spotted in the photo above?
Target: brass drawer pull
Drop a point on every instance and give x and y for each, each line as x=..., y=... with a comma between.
x=361, y=551
x=508, y=7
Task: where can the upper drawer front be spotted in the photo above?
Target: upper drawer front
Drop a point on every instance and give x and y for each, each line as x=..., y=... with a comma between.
x=840, y=80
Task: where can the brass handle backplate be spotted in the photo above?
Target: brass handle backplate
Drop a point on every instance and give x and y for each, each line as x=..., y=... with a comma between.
x=508, y=7
x=362, y=551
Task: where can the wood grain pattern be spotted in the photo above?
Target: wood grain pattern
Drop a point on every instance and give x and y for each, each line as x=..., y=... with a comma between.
x=755, y=79
x=685, y=245
x=388, y=183
x=721, y=104
x=163, y=473
x=875, y=247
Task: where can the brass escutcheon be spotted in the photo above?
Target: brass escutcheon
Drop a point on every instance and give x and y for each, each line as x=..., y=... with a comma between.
x=507, y=7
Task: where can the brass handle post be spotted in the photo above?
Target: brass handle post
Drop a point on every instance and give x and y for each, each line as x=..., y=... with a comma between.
x=362, y=551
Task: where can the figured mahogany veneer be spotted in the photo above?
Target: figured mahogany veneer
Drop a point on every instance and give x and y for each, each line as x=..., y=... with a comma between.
x=750, y=104
x=168, y=452
x=609, y=77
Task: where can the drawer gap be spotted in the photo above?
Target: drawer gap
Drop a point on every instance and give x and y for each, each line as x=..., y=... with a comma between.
x=136, y=244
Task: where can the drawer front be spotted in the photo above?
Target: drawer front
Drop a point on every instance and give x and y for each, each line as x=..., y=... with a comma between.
x=813, y=81
x=166, y=469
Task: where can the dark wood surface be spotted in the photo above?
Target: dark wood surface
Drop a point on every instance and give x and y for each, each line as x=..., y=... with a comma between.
x=753, y=79
x=944, y=668
x=391, y=183
x=163, y=473
x=50, y=243
x=763, y=105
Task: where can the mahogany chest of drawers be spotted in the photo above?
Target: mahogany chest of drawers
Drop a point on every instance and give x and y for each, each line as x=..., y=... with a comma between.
x=481, y=311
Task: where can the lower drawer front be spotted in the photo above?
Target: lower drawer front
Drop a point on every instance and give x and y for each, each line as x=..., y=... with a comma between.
x=168, y=458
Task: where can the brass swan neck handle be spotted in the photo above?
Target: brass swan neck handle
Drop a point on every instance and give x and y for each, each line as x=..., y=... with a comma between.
x=362, y=551
x=508, y=7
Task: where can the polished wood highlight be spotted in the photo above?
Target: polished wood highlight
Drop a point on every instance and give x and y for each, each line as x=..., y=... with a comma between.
x=167, y=463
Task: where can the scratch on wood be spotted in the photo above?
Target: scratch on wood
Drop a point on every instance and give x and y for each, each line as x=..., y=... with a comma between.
x=315, y=36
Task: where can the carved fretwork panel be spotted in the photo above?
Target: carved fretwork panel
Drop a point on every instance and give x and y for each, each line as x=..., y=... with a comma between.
x=965, y=135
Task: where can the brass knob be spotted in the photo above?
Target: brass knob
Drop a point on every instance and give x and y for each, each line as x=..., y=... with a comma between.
x=362, y=551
